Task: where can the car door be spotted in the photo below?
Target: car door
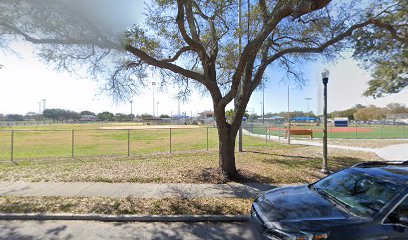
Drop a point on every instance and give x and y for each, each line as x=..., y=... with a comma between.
x=397, y=221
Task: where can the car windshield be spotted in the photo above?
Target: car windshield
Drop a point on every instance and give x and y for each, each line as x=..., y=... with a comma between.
x=357, y=192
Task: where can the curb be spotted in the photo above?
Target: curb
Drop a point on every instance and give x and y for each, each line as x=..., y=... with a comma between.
x=125, y=218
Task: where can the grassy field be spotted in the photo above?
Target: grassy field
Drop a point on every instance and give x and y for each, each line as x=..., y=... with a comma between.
x=352, y=132
x=273, y=164
x=32, y=142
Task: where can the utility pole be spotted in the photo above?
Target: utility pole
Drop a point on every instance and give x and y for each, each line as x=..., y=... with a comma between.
x=43, y=101
x=288, y=118
x=307, y=114
x=39, y=107
x=154, y=85
x=263, y=104
x=178, y=102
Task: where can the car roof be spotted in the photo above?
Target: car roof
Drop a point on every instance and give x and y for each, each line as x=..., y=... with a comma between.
x=396, y=171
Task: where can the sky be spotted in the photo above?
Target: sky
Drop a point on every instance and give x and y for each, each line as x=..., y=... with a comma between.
x=25, y=80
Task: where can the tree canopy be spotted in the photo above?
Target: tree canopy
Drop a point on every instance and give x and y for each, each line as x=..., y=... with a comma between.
x=383, y=47
x=194, y=43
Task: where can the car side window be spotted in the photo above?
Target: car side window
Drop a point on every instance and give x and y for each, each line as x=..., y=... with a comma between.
x=400, y=214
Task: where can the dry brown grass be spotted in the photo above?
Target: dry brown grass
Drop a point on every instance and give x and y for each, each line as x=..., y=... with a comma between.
x=116, y=206
x=276, y=164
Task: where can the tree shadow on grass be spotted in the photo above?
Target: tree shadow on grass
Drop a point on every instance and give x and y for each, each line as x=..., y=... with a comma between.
x=335, y=163
x=277, y=155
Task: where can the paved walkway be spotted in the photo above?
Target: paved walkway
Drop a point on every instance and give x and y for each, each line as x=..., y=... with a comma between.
x=394, y=152
x=390, y=153
x=148, y=190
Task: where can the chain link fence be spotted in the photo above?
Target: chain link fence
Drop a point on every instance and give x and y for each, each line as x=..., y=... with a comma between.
x=22, y=144
x=353, y=131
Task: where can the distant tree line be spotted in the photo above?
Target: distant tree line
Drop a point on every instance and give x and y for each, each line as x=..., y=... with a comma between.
x=370, y=112
x=68, y=115
x=357, y=112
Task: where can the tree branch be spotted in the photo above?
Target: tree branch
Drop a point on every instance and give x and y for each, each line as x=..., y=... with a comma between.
x=166, y=65
x=198, y=47
x=178, y=54
x=104, y=44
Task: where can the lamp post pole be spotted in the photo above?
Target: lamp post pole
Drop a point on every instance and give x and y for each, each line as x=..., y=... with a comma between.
x=131, y=107
x=325, y=79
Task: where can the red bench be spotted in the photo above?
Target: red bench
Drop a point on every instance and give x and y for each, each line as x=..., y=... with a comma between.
x=308, y=132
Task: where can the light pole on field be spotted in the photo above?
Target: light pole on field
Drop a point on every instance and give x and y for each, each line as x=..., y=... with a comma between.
x=131, y=107
x=325, y=79
x=157, y=109
x=153, y=86
x=307, y=113
x=39, y=107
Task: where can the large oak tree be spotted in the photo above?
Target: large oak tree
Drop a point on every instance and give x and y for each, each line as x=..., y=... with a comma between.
x=193, y=43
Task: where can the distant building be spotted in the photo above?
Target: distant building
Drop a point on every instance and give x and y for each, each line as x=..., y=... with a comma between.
x=86, y=118
x=304, y=119
x=207, y=114
x=206, y=117
x=341, y=122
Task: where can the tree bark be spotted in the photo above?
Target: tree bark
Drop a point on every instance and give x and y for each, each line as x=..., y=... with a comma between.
x=226, y=136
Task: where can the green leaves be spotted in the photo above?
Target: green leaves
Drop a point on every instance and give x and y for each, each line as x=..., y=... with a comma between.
x=137, y=37
x=383, y=49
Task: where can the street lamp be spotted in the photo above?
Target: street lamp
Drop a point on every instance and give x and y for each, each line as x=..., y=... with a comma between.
x=325, y=79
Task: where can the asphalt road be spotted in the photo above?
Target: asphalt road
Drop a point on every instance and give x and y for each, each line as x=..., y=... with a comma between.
x=24, y=230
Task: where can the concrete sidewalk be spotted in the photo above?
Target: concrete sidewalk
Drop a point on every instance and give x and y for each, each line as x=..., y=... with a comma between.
x=397, y=152
x=147, y=190
x=394, y=152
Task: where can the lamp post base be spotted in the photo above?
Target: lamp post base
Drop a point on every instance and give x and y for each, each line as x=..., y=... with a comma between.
x=325, y=170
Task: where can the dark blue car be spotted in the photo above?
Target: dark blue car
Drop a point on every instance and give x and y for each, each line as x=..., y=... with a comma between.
x=366, y=201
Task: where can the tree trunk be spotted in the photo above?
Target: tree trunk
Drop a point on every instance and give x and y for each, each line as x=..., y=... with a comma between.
x=226, y=136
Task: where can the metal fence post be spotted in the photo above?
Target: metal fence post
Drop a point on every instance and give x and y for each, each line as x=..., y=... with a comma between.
x=207, y=138
x=73, y=143
x=12, y=146
x=128, y=132
x=266, y=136
x=170, y=140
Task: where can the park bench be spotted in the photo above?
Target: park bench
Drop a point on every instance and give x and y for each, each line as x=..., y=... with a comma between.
x=308, y=132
